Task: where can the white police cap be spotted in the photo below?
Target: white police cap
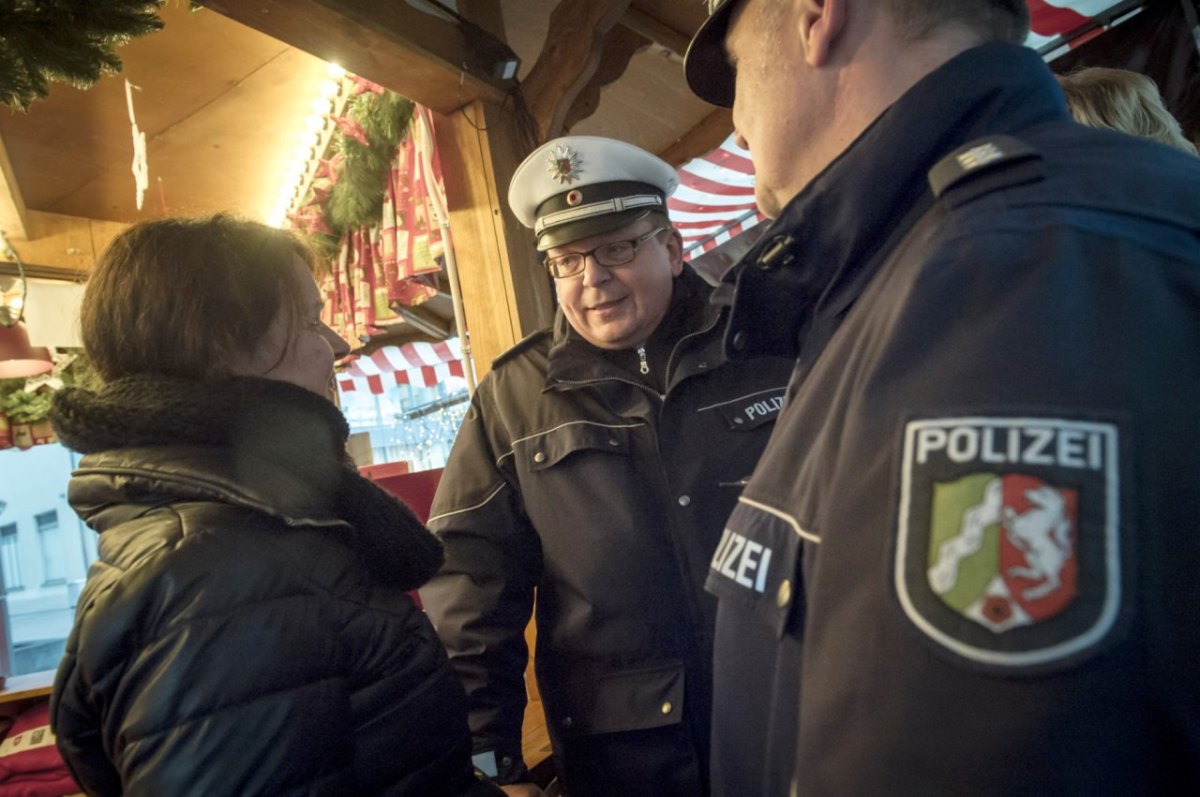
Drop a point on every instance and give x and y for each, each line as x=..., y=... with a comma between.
x=578, y=186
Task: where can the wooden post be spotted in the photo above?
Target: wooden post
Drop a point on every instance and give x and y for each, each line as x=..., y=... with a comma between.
x=506, y=291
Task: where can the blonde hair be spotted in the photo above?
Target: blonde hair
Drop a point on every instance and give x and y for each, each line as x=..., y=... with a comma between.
x=1122, y=100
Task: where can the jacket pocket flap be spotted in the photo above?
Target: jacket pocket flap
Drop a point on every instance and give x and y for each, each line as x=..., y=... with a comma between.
x=620, y=701
x=549, y=448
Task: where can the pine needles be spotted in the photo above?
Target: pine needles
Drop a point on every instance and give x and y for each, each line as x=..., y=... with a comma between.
x=68, y=41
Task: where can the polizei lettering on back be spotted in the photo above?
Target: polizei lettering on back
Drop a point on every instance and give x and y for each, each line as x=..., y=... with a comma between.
x=744, y=561
x=1014, y=444
x=761, y=409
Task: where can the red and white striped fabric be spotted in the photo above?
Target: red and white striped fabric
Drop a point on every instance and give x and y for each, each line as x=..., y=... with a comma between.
x=1051, y=20
x=715, y=199
x=410, y=364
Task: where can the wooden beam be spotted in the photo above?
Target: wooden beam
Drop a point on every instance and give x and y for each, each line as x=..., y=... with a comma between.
x=424, y=57
x=505, y=290
x=568, y=60
x=12, y=206
x=701, y=139
x=656, y=31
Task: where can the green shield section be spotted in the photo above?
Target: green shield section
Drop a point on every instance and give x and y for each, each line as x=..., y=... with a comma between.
x=976, y=569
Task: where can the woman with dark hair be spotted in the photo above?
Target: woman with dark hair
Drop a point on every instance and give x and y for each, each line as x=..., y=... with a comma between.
x=246, y=629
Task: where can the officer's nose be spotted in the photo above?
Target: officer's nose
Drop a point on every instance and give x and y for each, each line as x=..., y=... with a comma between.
x=594, y=273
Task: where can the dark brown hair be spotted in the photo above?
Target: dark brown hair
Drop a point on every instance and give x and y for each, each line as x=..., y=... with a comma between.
x=184, y=296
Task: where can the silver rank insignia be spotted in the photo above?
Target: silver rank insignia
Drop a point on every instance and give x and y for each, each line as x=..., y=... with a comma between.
x=565, y=165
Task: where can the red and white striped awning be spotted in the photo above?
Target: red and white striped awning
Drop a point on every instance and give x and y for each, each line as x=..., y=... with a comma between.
x=410, y=364
x=715, y=199
x=1063, y=22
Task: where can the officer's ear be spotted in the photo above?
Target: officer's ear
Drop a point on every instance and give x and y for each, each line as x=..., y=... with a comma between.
x=674, y=244
x=820, y=23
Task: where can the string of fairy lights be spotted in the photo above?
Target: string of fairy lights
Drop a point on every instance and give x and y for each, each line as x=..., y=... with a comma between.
x=310, y=144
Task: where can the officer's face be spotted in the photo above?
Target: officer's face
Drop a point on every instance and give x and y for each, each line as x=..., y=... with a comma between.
x=781, y=105
x=619, y=307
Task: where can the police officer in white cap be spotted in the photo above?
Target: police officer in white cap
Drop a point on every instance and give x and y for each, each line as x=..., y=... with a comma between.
x=596, y=467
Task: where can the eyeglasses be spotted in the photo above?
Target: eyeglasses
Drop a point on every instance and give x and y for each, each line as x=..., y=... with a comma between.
x=613, y=253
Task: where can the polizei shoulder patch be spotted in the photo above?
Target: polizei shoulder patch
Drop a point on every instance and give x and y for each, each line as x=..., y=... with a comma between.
x=1008, y=553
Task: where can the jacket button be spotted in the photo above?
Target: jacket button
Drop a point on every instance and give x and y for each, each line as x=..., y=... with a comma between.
x=784, y=596
x=740, y=339
x=684, y=500
x=701, y=366
x=506, y=762
x=614, y=442
x=666, y=707
x=539, y=457
x=567, y=722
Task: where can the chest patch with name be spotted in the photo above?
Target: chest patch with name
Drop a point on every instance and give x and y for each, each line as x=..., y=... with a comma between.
x=750, y=412
x=1008, y=552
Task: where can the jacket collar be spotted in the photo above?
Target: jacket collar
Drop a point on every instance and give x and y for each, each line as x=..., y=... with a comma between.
x=818, y=255
x=573, y=360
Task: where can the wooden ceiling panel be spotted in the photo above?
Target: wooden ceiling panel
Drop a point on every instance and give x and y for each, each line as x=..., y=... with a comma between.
x=72, y=152
x=232, y=156
x=222, y=104
x=650, y=105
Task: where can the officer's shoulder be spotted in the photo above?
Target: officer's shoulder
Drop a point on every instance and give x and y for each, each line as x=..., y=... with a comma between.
x=523, y=345
x=985, y=165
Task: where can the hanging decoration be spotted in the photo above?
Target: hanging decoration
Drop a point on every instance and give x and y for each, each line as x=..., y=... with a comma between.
x=140, y=166
x=67, y=41
x=25, y=403
x=375, y=207
x=374, y=123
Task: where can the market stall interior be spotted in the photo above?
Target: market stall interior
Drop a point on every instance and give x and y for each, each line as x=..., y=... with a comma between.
x=387, y=130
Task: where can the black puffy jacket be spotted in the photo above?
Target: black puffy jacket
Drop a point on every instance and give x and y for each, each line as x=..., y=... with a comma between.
x=231, y=639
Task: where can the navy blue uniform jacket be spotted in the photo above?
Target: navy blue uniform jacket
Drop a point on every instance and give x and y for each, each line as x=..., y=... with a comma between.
x=966, y=563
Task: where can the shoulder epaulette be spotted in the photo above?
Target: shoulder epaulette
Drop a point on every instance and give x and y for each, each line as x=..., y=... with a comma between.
x=985, y=165
x=521, y=345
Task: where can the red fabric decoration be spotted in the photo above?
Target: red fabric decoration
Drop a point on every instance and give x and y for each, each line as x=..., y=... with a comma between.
x=30, y=765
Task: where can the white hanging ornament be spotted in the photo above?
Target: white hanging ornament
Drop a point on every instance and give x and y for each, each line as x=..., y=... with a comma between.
x=140, y=166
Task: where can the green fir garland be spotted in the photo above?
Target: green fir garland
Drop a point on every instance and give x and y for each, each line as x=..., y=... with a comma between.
x=357, y=197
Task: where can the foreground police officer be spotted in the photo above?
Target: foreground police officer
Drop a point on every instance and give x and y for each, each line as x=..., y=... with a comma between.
x=597, y=465
x=980, y=502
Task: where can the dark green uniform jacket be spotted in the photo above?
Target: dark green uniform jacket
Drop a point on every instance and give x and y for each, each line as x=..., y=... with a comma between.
x=576, y=476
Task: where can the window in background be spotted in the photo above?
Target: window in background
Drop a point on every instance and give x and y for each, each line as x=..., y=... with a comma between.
x=53, y=566
x=413, y=424
x=47, y=554
x=10, y=558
